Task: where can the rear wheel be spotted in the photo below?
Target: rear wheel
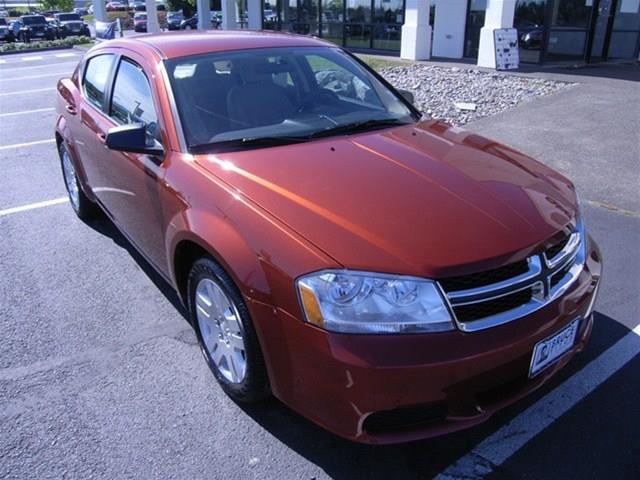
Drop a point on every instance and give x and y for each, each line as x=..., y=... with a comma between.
x=225, y=333
x=83, y=207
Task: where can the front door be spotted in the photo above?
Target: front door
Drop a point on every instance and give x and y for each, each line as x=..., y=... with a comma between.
x=131, y=183
x=601, y=31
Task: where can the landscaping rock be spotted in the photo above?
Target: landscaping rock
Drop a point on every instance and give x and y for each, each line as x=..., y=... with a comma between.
x=449, y=93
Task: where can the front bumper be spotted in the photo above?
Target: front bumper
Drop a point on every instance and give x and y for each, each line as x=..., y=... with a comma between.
x=393, y=388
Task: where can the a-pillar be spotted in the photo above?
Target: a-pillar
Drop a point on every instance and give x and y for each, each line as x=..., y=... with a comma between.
x=204, y=14
x=254, y=11
x=229, y=14
x=152, y=16
x=499, y=14
x=416, y=31
x=99, y=10
x=448, y=28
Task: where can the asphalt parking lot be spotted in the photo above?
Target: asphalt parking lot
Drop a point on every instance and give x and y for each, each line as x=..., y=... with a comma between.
x=100, y=375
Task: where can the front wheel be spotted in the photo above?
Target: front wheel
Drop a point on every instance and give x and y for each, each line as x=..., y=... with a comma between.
x=225, y=333
x=84, y=208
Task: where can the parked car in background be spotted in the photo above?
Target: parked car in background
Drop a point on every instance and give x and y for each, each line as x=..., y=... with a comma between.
x=35, y=27
x=530, y=34
x=139, y=6
x=4, y=14
x=192, y=23
x=116, y=7
x=140, y=22
x=70, y=24
x=54, y=26
x=174, y=19
x=387, y=275
x=6, y=33
x=81, y=11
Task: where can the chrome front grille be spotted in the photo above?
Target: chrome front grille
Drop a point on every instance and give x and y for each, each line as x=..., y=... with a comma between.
x=488, y=299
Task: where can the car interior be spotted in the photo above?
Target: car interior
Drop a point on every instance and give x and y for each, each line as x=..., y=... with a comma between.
x=226, y=98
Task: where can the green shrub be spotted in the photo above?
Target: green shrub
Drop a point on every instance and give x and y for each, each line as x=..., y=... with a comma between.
x=16, y=47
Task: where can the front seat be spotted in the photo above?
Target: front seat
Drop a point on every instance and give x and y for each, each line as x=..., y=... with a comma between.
x=258, y=101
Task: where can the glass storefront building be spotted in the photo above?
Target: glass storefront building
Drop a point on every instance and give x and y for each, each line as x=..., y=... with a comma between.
x=548, y=30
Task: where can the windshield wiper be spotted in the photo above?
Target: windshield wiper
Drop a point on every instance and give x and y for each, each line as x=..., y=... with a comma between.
x=358, y=127
x=247, y=142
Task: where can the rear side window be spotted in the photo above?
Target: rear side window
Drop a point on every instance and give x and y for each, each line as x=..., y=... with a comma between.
x=95, y=78
x=132, y=101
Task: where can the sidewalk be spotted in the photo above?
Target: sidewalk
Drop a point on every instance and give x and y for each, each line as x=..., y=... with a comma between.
x=591, y=132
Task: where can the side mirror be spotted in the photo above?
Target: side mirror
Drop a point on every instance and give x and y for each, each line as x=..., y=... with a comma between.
x=407, y=95
x=132, y=138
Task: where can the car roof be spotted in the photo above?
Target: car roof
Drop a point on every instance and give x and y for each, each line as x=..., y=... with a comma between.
x=180, y=44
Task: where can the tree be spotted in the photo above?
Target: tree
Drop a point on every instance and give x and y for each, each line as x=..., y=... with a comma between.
x=62, y=5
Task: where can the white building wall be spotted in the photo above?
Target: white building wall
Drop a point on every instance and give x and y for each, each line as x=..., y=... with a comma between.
x=416, y=31
x=449, y=26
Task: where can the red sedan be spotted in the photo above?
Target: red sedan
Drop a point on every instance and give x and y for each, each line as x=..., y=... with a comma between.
x=387, y=276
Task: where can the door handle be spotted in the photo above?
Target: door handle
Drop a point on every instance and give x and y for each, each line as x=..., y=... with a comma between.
x=102, y=138
x=71, y=109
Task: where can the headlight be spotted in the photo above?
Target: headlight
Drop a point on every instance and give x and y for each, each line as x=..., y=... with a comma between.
x=361, y=302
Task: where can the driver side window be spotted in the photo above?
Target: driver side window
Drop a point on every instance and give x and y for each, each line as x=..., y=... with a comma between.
x=132, y=101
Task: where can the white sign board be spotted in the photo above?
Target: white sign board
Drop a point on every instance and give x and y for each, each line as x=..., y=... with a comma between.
x=507, y=54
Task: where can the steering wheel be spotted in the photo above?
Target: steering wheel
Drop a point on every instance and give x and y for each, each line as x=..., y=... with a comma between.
x=322, y=95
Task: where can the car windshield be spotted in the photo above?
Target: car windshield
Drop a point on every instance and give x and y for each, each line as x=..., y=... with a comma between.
x=259, y=97
x=140, y=16
x=68, y=17
x=34, y=20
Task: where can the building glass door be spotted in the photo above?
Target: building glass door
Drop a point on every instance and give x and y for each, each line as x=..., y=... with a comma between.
x=601, y=31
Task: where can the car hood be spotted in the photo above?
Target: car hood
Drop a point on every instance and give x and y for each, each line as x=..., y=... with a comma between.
x=426, y=199
x=72, y=22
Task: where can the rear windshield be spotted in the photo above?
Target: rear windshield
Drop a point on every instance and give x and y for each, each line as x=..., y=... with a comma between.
x=68, y=17
x=36, y=19
x=277, y=92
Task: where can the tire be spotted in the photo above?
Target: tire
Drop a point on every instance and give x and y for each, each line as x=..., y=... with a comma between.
x=188, y=27
x=85, y=209
x=225, y=332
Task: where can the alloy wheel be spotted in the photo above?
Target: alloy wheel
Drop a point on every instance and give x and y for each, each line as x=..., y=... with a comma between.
x=221, y=330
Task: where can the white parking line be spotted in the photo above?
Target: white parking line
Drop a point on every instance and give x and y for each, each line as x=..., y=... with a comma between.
x=30, y=59
x=29, y=77
x=65, y=55
x=495, y=449
x=13, y=67
x=27, y=144
x=21, y=92
x=33, y=206
x=26, y=112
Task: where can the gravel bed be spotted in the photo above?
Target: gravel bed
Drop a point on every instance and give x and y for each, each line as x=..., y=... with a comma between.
x=438, y=89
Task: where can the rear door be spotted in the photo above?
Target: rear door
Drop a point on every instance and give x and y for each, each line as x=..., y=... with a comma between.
x=92, y=117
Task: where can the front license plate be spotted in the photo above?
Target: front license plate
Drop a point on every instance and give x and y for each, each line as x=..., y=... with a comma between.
x=547, y=351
